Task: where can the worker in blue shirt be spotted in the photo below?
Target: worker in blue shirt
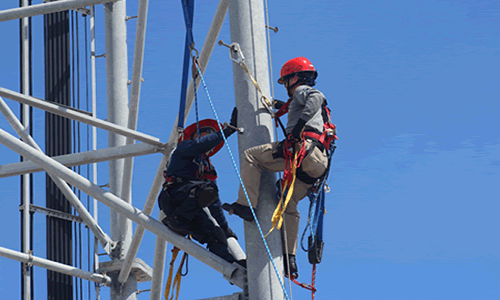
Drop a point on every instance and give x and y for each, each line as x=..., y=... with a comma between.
x=189, y=197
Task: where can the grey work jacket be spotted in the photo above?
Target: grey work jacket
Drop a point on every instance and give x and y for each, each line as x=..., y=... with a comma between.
x=306, y=105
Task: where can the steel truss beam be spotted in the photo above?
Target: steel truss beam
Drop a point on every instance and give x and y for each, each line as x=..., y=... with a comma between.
x=133, y=115
x=54, y=213
x=235, y=296
x=135, y=90
x=64, y=112
x=158, y=264
x=46, y=8
x=232, y=272
x=54, y=266
x=106, y=243
x=205, y=54
x=82, y=158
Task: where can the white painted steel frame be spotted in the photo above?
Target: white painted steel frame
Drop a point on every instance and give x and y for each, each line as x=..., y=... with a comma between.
x=64, y=112
x=235, y=296
x=113, y=153
x=46, y=8
x=118, y=113
x=94, y=132
x=205, y=54
x=135, y=90
x=232, y=272
x=106, y=243
x=158, y=264
x=132, y=124
x=82, y=158
x=25, y=187
x=54, y=266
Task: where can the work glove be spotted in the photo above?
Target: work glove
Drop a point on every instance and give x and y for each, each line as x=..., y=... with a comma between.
x=234, y=123
x=297, y=130
x=278, y=104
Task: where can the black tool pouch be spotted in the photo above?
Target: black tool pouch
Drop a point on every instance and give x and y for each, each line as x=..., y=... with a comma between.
x=164, y=200
x=315, y=250
x=206, y=193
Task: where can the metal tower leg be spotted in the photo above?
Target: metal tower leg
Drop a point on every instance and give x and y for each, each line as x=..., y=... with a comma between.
x=205, y=53
x=117, y=94
x=25, y=178
x=248, y=29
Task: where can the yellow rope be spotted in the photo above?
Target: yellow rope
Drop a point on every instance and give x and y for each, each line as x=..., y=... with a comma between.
x=175, y=251
x=277, y=218
x=267, y=104
x=178, y=277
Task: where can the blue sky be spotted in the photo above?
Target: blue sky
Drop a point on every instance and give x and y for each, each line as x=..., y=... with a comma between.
x=413, y=87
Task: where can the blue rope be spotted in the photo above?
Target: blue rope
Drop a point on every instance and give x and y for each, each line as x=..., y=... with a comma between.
x=243, y=186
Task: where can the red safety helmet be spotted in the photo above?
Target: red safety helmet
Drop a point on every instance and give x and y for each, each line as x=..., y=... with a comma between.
x=207, y=125
x=296, y=65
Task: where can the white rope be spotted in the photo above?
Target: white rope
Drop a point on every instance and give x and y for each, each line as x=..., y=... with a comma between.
x=269, y=50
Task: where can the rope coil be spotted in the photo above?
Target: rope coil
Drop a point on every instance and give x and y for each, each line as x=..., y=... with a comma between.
x=178, y=276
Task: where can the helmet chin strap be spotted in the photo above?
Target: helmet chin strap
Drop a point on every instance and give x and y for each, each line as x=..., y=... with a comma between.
x=289, y=88
x=300, y=80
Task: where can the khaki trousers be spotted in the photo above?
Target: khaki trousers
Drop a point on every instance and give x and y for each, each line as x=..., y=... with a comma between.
x=259, y=158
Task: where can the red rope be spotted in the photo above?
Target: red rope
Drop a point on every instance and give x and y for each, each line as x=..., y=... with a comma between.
x=303, y=285
x=306, y=286
x=313, y=280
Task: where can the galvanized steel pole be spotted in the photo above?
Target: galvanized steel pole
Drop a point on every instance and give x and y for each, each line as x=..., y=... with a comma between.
x=94, y=134
x=158, y=264
x=117, y=94
x=135, y=90
x=25, y=179
x=248, y=30
x=205, y=54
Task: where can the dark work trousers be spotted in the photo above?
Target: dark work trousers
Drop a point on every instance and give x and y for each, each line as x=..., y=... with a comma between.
x=178, y=201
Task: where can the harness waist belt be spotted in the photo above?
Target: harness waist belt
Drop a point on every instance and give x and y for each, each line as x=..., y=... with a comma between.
x=319, y=137
x=174, y=179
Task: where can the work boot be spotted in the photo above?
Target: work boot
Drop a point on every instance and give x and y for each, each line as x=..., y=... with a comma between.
x=176, y=224
x=241, y=211
x=290, y=263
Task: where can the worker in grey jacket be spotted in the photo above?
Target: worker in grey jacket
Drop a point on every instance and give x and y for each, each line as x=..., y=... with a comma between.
x=304, y=115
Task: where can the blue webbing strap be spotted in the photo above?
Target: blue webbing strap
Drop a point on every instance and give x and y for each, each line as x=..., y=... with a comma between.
x=317, y=208
x=188, y=9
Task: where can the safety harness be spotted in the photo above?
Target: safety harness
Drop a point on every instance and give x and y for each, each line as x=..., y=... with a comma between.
x=294, y=154
x=206, y=171
x=329, y=129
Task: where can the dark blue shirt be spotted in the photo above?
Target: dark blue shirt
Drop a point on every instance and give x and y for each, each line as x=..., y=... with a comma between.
x=187, y=157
